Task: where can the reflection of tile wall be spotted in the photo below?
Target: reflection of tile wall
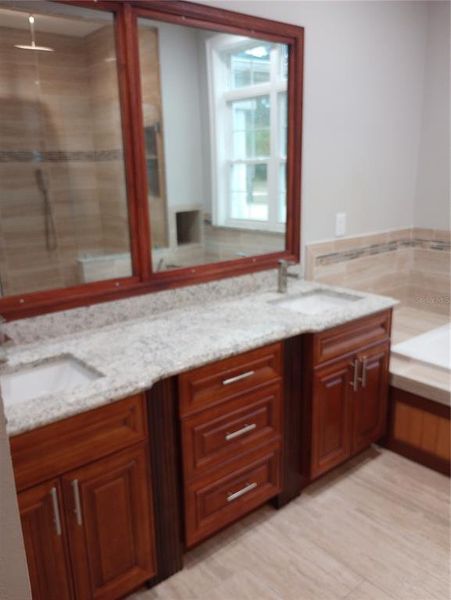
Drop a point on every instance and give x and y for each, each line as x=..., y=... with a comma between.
x=107, y=134
x=412, y=265
x=60, y=114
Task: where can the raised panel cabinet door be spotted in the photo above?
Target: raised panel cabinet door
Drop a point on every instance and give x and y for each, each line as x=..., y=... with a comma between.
x=110, y=525
x=330, y=416
x=43, y=531
x=370, y=399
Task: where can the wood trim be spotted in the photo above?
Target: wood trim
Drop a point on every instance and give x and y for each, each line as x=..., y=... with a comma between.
x=419, y=456
x=162, y=407
x=133, y=136
x=144, y=281
x=410, y=450
x=435, y=408
x=293, y=439
x=209, y=17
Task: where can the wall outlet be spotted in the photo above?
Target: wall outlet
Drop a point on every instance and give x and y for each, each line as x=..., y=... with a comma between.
x=340, y=224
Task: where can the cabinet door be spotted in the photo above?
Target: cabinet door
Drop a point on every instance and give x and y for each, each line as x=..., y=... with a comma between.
x=43, y=531
x=370, y=400
x=330, y=416
x=110, y=525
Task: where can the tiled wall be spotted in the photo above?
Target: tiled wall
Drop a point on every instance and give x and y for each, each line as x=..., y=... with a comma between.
x=412, y=265
x=60, y=116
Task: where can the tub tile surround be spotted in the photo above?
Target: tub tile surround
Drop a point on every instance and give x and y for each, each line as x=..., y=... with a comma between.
x=412, y=265
x=133, y=355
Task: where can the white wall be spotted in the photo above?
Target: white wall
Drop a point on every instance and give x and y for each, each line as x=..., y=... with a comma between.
x=184, y=163
x=432, y=201
x=14, y=583
x=363, y=93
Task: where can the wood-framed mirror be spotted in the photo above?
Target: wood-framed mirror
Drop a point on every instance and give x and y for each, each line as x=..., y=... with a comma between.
x=146, y=145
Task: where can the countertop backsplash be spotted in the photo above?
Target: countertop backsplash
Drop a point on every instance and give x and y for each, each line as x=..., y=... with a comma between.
x=53, y=325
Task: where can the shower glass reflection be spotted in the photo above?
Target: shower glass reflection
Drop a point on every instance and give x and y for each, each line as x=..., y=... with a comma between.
x=63, y=204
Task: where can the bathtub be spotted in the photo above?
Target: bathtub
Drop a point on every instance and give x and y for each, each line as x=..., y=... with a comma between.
x=432, y=348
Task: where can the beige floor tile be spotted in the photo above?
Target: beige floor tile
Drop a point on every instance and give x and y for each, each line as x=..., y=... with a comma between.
x=377, y=528
x=368, y=591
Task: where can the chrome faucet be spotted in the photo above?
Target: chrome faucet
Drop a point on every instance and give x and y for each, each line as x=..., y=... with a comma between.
x=282, y=280
x=3, y=338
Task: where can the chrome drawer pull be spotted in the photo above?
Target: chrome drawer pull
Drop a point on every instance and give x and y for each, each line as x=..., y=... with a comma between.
x=77, y=509
x=56, y=511
x=363, y=378
x=247, y=488
x=238, y=377
x=355, y=378
x=239, y=432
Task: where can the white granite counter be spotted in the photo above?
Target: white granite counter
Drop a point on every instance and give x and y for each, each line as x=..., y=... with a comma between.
x=133, y=355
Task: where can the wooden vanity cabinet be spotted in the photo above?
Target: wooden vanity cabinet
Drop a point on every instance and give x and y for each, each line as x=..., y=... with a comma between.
x=45, y=541
x=231, y=437
x=88, y=528
x=345, y=391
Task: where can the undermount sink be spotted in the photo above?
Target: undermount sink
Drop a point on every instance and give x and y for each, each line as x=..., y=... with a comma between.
x=59, y=374
x=316, y=301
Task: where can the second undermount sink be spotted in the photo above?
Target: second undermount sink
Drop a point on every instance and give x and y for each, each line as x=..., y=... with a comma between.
x=59, y=374
x=316, y=302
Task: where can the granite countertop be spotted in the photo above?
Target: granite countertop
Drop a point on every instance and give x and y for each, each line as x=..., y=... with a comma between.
x=134, y=355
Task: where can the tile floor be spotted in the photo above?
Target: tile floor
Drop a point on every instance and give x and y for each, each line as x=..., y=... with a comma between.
x=377, y=528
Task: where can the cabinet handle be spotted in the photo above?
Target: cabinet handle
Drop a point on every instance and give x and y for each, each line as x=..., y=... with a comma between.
x=355, y=376
x=363, y=378
x=239, y=432
x=247, y=488
x=56, y=510
x=77, y=509
x=238, y=378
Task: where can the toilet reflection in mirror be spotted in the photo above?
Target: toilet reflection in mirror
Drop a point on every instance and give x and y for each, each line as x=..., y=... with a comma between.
x=215, y=132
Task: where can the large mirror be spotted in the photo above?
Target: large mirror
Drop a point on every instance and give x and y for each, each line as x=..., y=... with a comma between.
x=143, y=145
x=215, y=130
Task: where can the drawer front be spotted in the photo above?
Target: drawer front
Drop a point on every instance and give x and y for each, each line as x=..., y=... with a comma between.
x=226, y=431
x=215, y=502
x=350, y=337
x=229, y=378
x=53, y=449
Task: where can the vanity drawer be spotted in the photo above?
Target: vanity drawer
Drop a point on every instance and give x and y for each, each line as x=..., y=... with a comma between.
x=53, y=449
x=214, y=502
x=347, y=338
x=226, y=431
x=229, y=378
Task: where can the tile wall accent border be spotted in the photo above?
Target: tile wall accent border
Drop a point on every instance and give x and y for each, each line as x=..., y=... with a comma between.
x=345, y=255
x=38, y=156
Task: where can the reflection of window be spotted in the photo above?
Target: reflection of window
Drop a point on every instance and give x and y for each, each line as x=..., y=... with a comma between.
x=250, y=66
x=248, y=104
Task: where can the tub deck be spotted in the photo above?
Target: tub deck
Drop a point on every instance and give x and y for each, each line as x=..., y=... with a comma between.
x=418, y=377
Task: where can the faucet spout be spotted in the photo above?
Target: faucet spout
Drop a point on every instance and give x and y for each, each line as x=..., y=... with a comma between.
x=283, y=274
x=3, y=338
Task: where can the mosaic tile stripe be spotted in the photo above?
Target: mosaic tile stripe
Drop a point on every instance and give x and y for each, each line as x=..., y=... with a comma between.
x=33, y=156
x=352, y=254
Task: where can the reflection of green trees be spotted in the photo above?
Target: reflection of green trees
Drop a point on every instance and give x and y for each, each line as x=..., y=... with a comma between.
x=258, y=184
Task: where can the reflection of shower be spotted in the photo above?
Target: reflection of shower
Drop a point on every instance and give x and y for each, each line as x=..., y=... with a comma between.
x=50, y=231
x=33, y=45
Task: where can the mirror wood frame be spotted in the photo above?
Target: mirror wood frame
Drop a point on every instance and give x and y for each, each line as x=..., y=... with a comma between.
x=144, y=280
